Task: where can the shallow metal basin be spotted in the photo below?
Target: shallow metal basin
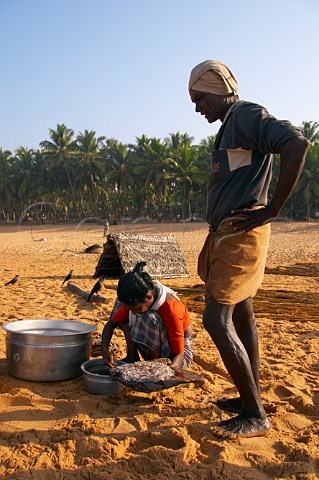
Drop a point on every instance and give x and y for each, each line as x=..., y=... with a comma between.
x=98, y=380
x=47, y=350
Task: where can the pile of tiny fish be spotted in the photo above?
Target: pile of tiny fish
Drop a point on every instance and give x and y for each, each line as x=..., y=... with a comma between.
x=144, y=372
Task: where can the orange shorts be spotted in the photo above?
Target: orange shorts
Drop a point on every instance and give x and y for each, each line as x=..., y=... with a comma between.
x=232, y=264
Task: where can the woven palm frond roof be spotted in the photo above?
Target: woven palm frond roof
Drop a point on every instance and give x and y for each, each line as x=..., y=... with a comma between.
x=162, y=254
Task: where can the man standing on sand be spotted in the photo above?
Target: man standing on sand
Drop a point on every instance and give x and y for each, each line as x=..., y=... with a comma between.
x=233, y=257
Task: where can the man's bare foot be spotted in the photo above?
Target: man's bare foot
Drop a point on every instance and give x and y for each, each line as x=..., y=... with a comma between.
x=242, y=426
x=229, y=404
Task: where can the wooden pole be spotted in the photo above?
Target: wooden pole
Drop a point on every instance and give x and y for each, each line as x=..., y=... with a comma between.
x=95, y=298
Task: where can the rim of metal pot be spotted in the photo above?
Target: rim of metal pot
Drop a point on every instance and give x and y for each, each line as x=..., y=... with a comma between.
x=98, y=362
x=9, y=327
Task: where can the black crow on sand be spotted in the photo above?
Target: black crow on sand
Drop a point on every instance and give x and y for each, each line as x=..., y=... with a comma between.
x=12, y=281
x=97, y=287
x=68, y=277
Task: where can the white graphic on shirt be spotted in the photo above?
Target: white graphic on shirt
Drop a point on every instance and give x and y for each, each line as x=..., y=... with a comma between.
x=237, y=157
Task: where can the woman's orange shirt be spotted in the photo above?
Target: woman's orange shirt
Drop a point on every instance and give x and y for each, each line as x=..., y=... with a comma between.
x=175, y=316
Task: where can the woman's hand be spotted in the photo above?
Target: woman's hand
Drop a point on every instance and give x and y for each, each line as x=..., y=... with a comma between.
x=108, y=357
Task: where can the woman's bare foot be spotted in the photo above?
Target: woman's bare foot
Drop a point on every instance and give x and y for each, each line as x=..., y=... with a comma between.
x=242, y=426
x=229, y=404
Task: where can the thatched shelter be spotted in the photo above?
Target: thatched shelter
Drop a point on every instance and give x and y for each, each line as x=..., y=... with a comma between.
x=162, y=255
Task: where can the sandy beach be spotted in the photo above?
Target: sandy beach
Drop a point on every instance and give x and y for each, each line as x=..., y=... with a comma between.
x=57, y=430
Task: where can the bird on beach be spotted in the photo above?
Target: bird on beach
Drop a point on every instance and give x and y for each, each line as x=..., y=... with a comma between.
x=97, y=287
x=68, y=277
x=12, y=281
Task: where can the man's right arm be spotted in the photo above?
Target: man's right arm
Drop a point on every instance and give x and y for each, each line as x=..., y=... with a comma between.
x=292, y=158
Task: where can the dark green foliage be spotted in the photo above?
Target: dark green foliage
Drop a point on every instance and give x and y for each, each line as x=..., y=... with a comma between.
x=75, y=178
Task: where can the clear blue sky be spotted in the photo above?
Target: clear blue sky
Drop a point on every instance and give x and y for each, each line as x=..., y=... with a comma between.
x=121, y=67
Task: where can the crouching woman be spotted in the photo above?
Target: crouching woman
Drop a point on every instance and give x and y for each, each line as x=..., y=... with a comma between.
x=155, y=323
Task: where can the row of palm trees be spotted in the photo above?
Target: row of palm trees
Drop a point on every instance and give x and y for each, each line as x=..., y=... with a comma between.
x=76, y=177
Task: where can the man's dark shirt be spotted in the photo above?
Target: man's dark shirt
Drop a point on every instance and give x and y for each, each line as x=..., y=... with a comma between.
x=242, y=159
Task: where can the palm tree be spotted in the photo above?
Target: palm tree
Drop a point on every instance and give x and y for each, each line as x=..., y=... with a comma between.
x=308, y=186
x=177, y=140
x=204, y=159
x=186, y=174
x=140, y=147
x=24, y=166
x=310, y=131
x=152, y=166
x=61, y=152
x=119, y=178
x=90, y=164
x=308, y=183
x=6, y=191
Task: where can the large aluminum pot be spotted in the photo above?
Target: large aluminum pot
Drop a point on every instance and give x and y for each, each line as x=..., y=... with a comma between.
x=47, y=350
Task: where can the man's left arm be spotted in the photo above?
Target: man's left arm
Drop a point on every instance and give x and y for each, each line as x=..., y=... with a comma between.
x=292, y=158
